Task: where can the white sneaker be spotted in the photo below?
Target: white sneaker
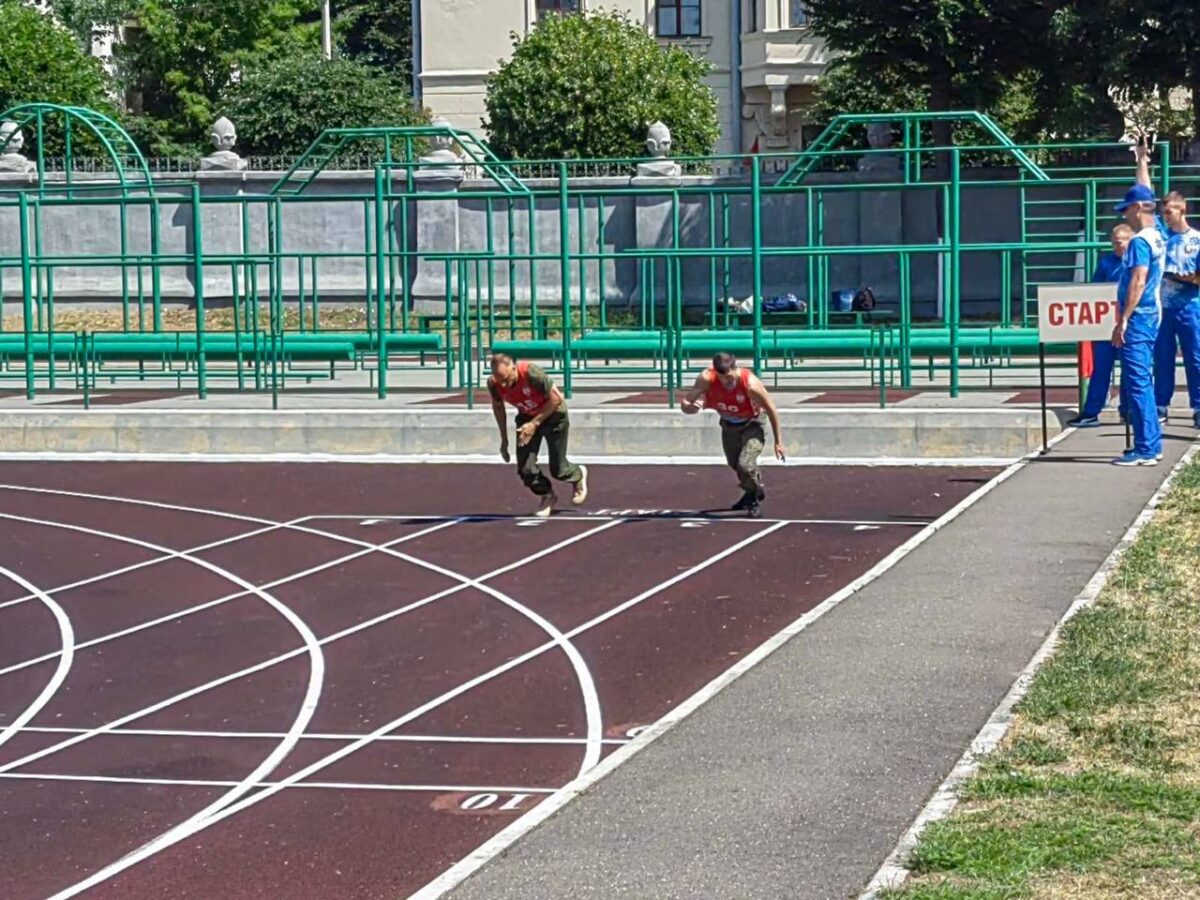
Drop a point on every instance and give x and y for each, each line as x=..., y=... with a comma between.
x=581, y=488
x=546, y=508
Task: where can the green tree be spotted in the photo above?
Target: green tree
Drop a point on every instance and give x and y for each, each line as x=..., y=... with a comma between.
x=949, y=54
x=43, y=63
x=590, y=86
x=1046, y=69
x=285, y=105
x=179, y=56
x=378, y=32
x=1151, y=47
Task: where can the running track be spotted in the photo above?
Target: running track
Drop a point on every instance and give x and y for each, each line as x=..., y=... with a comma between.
x=324, y=680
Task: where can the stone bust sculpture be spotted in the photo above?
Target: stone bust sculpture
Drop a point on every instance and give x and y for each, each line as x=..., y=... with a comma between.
x=442, y=153
x=442, y=161
x=224, y=136
x=658, y=145
x=658, y=140
x=879, y=137
x=12, y=141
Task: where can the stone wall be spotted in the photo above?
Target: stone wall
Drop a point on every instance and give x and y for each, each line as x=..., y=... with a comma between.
x=334, y=216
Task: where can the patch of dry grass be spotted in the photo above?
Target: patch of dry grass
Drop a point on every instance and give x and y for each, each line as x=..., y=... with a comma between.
x=332, y=318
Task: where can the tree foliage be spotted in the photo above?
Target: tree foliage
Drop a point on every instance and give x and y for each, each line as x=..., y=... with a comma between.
x=378, y=32
x=282, y=107
x=1151, y=47
x=1045, y=69
x=953, y=54
x=83, y=17
x=181, y=55
x=579, y=87
x=42, y=62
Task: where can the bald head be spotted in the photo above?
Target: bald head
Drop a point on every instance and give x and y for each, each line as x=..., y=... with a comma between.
x=504, y=368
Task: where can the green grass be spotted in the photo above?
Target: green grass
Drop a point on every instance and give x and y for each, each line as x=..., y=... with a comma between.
x=1095, y=793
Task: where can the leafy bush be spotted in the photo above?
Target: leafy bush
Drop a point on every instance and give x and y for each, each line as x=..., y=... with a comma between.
x=580, y=87
x=284, y=106
x=41, y=62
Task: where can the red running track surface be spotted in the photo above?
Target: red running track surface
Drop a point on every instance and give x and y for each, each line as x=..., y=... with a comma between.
x=470, y=667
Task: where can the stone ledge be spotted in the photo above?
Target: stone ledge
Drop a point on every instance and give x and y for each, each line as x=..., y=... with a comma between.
x=825, y=433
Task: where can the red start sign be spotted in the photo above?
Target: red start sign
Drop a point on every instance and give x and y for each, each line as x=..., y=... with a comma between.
x=1076, y=312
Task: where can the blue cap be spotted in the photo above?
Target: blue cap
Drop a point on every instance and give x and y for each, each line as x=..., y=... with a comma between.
x=1139, y=193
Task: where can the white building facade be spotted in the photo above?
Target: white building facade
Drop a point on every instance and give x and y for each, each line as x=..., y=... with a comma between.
x=766, y=61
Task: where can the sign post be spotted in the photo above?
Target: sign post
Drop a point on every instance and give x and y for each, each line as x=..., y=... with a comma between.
x=1072, y=313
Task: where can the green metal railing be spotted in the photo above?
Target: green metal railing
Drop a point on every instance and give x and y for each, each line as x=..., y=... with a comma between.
x=912, y=126
x=128, y=168
x=546, y=274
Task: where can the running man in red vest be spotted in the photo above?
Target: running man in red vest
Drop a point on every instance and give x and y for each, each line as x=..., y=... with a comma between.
x=744, y=407
x=541, y=414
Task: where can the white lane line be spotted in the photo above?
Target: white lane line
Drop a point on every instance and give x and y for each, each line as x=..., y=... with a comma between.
x=595, y=725
x=894, y=871
x=292, y=654
x=509, y=836
x=144, y=564
x=445, y=698
x=209, y=604
x=66, y=657
x=629, y=515
x=587, y=685
x=308, y=704
x=323, y=736
x=154, y=504
x=180, y=833
x=326, y=785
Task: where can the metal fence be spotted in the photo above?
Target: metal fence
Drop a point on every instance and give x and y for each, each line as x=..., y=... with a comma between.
x=538, y=275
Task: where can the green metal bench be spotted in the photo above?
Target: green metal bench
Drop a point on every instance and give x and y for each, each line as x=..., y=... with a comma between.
x=13, y=345
x=60, y=353
x=179, y=355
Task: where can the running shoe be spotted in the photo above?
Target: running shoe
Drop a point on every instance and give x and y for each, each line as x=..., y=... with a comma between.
x=581, y=487
x=546, y=507
x=1129, y=458
x=1163, y=415
x=1084, y=422
x=749, y=498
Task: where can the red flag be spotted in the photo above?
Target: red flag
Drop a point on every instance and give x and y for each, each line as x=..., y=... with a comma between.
x=1086, y=361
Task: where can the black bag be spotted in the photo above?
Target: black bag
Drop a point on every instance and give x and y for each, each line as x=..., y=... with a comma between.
x=864, y=300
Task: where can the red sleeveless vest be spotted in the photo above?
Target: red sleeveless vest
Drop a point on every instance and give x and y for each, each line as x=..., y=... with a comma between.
x=735, y=404
x=521, y=394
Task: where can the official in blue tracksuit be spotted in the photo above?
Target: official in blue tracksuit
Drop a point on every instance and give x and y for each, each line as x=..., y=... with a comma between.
x=1180, y=327
x=1104, y=354
x=1140, y=309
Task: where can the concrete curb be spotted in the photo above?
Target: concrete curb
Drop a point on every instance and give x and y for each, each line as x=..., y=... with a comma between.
x=1006, y=433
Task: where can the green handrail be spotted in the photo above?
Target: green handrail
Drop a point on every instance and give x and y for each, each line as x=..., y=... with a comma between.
x=837, y=129
x=118, y=146
x=332, y=141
